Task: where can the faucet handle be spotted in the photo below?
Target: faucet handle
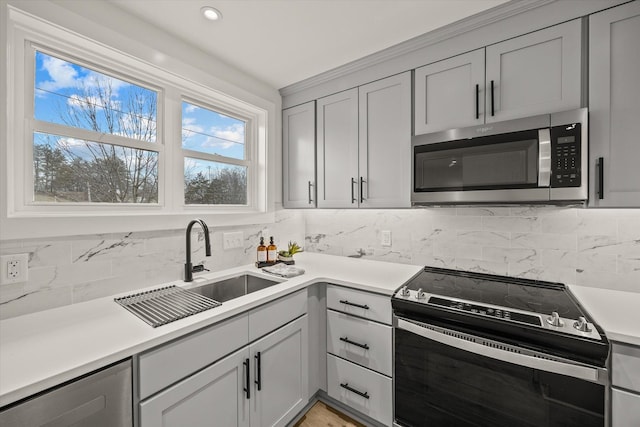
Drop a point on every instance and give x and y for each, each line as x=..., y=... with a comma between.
x=198, y=268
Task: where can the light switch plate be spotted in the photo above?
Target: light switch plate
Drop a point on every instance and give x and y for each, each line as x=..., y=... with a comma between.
x=14, y=268
x=232, y=240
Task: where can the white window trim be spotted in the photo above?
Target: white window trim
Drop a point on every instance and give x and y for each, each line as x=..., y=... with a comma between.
x=20, y=219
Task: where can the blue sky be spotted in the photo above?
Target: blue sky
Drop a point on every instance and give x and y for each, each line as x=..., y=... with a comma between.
x=57, y=87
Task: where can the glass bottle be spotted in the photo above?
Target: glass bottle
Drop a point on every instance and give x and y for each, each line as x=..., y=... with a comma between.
x=262, y=251
x=272, y=252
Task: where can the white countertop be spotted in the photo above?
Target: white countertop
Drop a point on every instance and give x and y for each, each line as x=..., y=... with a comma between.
x=41, y=350
x=617, y=312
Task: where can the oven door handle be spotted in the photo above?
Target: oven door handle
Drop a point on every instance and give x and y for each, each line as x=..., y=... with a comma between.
x=576, y=371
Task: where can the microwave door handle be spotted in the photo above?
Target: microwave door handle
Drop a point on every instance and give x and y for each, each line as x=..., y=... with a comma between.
x=544, y=157
x=576, y=371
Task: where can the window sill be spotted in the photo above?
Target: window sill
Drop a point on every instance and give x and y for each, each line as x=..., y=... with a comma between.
x=28, y=226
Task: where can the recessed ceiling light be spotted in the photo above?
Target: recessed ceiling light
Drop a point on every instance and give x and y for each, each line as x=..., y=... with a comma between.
x=211, y=13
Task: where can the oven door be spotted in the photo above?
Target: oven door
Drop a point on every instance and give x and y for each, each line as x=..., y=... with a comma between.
x=446, y=378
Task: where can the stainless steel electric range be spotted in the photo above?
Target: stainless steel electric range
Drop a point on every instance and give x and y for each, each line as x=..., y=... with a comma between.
x=474, y=349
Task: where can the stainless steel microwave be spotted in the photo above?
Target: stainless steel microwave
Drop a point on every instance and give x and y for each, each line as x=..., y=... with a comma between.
x=540, y=159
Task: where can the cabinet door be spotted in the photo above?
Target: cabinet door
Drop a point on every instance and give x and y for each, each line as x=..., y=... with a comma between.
x=337, y=142
x=214, y=396
x=625, y=408
x=299, y=156
x=385, y=142
x=538, y=73
x=280, y=375
x=614, y=109
x=450, y=94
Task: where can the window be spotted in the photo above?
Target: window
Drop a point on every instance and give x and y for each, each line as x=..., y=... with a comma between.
x=94, y=132
x=74, y=108
x=216, y=160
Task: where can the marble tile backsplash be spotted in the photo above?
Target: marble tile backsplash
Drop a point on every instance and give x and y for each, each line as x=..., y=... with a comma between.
x=73, y=269
x=588, y=247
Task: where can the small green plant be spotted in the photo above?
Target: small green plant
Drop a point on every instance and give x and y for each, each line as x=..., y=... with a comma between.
x=291, y=250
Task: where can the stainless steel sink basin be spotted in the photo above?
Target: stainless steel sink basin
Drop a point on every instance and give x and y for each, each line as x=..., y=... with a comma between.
x=234, y=287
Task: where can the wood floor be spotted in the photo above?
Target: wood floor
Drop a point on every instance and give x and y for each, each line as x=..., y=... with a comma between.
x=321, y=415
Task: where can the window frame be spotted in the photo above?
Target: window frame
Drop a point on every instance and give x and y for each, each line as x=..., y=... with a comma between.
x=26, y=33
x=35, y=125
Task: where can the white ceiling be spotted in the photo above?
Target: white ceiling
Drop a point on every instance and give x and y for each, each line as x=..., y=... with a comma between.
x=284, y=41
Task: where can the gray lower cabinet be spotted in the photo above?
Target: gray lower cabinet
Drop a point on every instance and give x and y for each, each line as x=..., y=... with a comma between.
x=625, y=379
x=251, y=370
x=614, y=107
x=359, y=352
x=263, y=384
x=214, y=396
x=537, y=73
x=364, y=145
x=299, y=156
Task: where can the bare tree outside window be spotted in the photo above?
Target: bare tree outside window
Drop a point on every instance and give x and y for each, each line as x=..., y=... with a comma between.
x=70, y=169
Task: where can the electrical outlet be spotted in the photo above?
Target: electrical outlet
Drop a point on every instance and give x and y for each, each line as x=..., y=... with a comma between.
x=14, y=268
x=385, y=238
x=232, y=240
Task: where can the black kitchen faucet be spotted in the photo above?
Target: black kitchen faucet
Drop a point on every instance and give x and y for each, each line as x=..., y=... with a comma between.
x=188, y=268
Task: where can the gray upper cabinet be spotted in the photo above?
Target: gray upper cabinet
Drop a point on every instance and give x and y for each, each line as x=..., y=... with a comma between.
x=537, y=73
x=614, y=107
x=299, y=156
x=450, y=94
x=364, y=144
x=337, y=145
x=385, y=142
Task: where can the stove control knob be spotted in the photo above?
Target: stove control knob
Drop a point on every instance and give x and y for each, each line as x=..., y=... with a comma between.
x=582, y=325
x=404, y=291
x=420, y=294
x=554, y=319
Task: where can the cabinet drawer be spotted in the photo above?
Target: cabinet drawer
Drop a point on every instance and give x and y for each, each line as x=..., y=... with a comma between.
x=347, y=335
x=625, y=409
x=165, y=365
x=626, y=367
x=378, y=402
x=364, y=304
x=271, y=316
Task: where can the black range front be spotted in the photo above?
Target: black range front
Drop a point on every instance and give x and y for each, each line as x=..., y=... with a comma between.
x=482, y=350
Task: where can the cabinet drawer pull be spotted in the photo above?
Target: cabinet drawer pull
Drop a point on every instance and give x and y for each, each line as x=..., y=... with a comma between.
x=362, y=181
x=493, y=110
x=600, y=167
x=247, y=389
x=348, y=341
x=344, y=301
x=353, y=390
x=258, y=380
x=477, y=102
x=310, y=198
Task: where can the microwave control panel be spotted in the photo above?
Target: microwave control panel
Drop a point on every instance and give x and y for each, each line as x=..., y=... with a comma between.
x=565, y=155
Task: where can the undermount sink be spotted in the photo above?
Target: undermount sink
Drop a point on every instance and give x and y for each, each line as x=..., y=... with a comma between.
x=234, y=287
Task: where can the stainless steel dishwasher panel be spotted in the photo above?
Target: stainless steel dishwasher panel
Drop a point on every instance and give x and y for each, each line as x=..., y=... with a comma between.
x=100, y=399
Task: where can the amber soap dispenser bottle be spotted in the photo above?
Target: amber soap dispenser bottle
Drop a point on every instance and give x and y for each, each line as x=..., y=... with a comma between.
x=262, y=251
x=272, y=252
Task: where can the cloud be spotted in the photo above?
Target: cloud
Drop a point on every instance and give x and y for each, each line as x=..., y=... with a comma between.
x=62, y=73
x=66, y=75
x=189, y=127
x=190, y=108
x=78, y=101
x=226, y=137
